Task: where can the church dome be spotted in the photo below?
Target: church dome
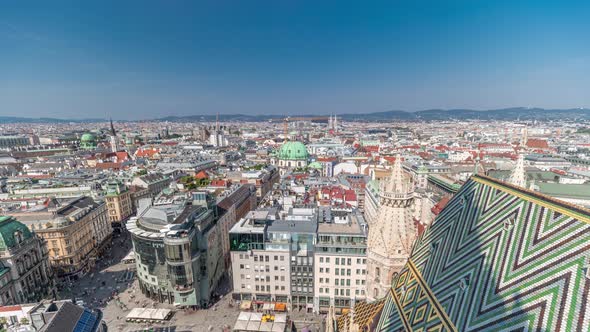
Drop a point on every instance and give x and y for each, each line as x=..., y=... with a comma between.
x=293, y=151
x=87, y=138
x=316, y=165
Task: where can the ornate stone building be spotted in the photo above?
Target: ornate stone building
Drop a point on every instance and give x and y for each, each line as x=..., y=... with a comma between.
x=25, y=274
x=391, y=233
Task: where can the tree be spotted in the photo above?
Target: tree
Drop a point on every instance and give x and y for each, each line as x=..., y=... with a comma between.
x=24, y=321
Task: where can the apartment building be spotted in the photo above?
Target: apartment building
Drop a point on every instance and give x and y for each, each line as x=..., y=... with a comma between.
x=119, y=205
x=340, y=268
x=76, y=232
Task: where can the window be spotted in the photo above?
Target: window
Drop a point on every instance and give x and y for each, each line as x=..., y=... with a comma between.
x=277, y=278
x=336, y=281
x=337, y=272
x=321, y=259
x=348, y=292
x=349, y=262
x=327, y=270
x=327, y=280
x=282, y=258
x=241, y=266
x=241, y=256
x=358, y=260
x=327, y=259
x=321, y=290
x=377, y=272
x=276, y=258
x=266, y=258
x=282, y=278
x=321, y=270
x=282, y=287
x=337, y=261
x=347, y=282
x=375, y=293
x=347, y=272
x=256, y=258
x=276, y=268
x=321, y=280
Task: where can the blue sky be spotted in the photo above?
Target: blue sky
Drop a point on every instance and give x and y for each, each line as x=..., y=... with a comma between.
x=145, y=59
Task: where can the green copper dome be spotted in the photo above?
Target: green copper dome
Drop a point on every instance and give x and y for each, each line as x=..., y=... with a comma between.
x=315, y=165
x=87, y=138
x=293, y=151
x=12, y=232
x=87, y=141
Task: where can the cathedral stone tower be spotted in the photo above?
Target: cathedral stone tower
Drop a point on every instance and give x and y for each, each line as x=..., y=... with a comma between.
x=391, y=233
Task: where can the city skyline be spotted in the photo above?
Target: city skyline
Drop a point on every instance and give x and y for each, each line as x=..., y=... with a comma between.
x=143, y=61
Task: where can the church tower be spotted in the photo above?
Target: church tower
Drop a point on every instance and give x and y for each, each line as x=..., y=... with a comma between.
x=391, y=233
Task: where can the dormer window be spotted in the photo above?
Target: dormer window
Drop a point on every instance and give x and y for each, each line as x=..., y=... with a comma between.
x=18, y=237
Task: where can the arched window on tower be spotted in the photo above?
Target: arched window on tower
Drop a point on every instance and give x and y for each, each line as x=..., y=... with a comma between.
x=375, y=293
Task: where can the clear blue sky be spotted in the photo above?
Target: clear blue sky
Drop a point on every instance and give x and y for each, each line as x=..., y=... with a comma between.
x=144, y=59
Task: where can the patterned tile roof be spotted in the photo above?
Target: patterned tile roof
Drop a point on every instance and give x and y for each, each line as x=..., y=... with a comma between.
x=497, y=258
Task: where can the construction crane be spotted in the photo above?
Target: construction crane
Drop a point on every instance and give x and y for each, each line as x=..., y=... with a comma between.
x=298, y=118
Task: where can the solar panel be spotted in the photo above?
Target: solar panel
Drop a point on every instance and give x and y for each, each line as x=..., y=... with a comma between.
x=86, y=322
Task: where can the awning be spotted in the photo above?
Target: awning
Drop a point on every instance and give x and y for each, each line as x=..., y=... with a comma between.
x=265, y=327
x=278, y=327
x=241, y=325
x=280, y=318
x=244, y=315
x=268, y=306
x=245, y=305
x=279, y=306
x=253, y=326
x=149, y=314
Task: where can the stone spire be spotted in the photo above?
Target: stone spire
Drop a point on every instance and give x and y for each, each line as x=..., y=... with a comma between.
x=518, y=176
x=525, y=138
x=335, y=123
x=393, y=232
x=395, y=183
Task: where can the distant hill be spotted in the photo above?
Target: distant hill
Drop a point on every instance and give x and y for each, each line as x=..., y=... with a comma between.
x=516, y=113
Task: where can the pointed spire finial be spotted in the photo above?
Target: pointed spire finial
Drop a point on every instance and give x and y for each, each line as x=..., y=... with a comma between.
x=518, y=176
x=396, y=183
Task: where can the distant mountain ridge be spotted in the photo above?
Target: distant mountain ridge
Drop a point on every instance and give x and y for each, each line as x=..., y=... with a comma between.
x=515, y=113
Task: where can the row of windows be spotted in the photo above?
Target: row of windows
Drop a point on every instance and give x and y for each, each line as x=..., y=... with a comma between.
x=263, y=258
x=342, y=272
x=343, y=261
x=342, y=282
x=261, y=268
x=341, y=292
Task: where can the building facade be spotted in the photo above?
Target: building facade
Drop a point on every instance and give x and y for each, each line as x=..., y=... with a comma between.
x=76, y=234
x=25, y=273
x=119, y=205
x=178, y=251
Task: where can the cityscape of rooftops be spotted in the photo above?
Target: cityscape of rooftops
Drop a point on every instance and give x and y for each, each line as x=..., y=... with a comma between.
x=282, y=166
